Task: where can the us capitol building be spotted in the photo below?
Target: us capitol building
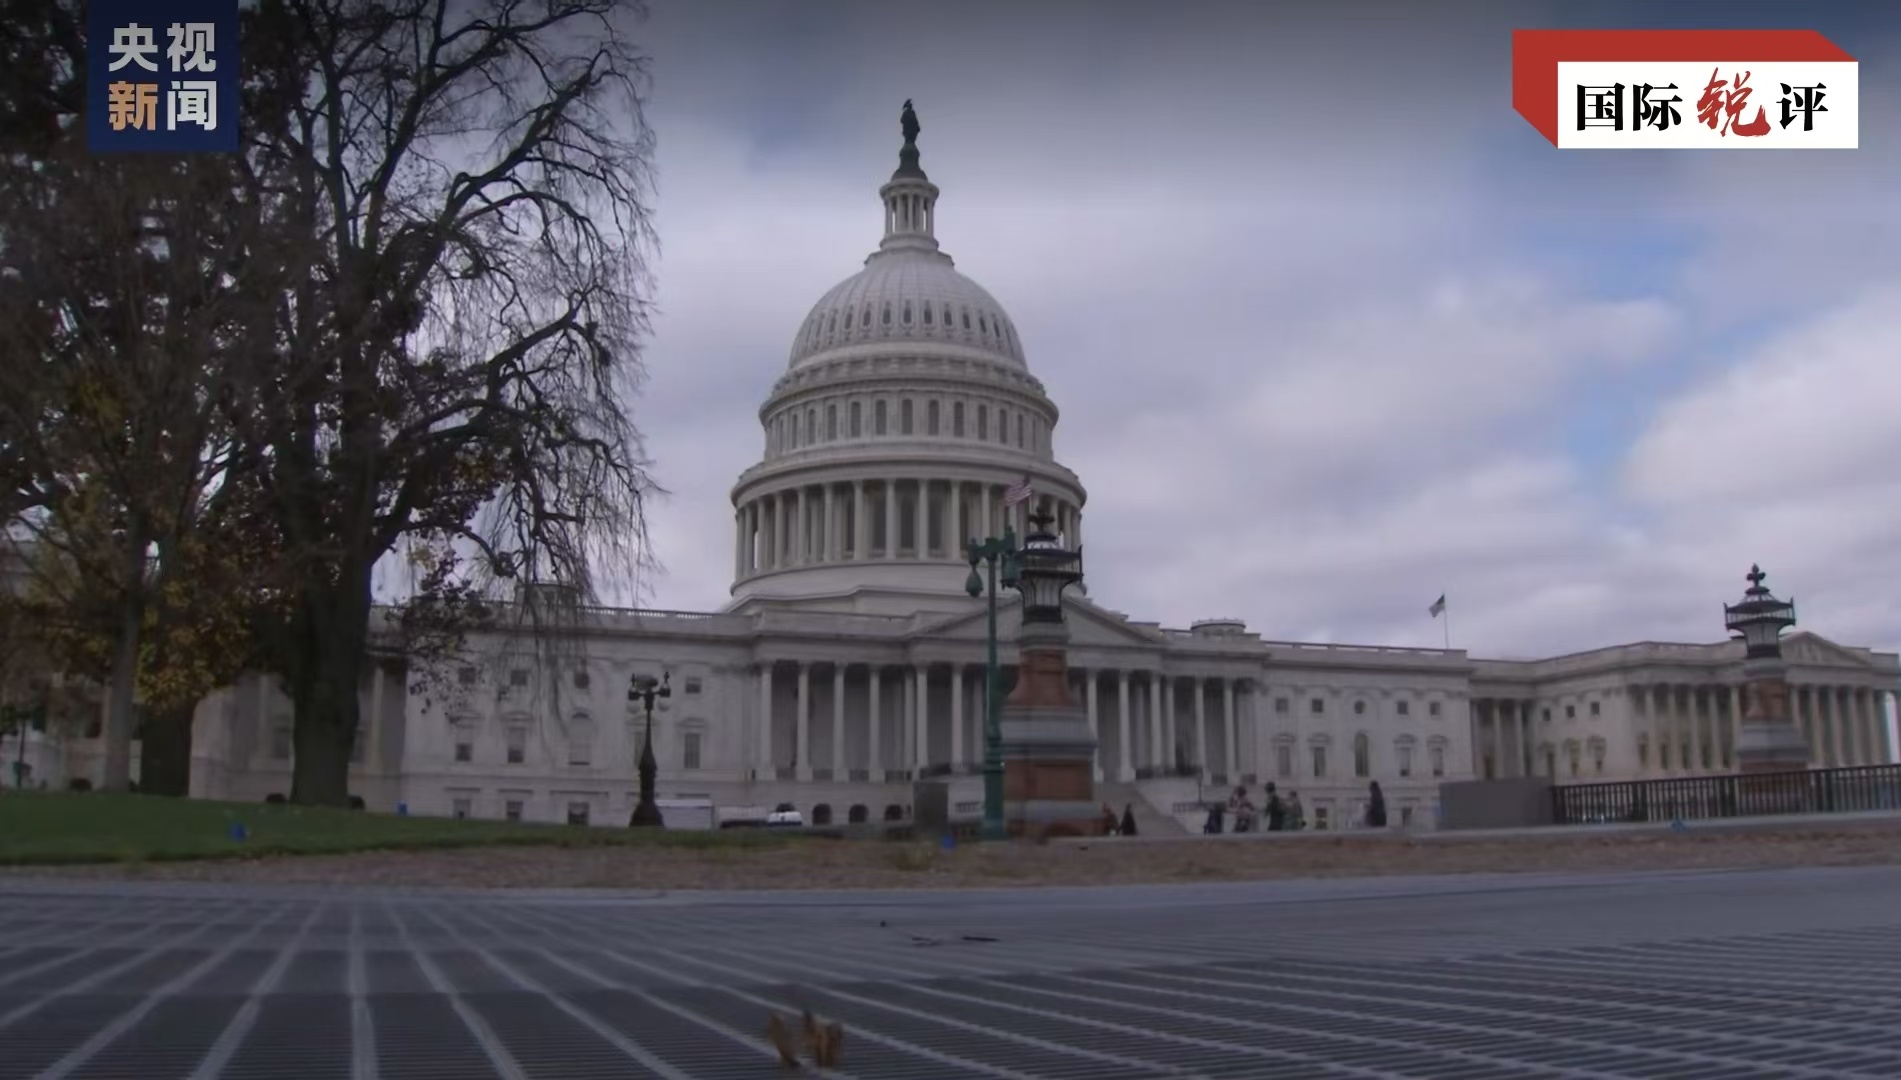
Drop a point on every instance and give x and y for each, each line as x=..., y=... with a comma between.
x=850, y=659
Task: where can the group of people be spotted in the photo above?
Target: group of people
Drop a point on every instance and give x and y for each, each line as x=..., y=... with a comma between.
x=1283, y=815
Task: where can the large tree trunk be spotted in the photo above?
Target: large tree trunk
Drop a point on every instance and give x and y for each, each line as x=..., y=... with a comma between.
x=165, y=753
x=324, y=687
x=117, y=772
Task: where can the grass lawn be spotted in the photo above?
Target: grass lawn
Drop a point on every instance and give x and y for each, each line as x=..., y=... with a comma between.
x=93, y=827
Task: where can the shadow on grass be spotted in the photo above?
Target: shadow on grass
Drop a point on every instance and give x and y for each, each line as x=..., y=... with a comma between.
x=47, y=829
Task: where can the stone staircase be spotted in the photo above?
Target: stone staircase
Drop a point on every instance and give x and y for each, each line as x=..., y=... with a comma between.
x=1149, y=821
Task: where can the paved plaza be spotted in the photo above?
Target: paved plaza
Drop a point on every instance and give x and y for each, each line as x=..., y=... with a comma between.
x=1725, y=976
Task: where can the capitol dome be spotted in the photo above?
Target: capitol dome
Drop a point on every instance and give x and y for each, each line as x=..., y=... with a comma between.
x=907, y=422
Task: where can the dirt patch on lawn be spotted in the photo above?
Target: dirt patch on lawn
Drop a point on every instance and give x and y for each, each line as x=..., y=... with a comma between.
x=822, y=864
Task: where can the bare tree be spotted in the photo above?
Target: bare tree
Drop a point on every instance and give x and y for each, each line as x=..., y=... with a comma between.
x=460, y=193
x=122, y=283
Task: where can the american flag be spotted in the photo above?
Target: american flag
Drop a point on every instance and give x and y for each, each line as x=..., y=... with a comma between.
x=1018, y=493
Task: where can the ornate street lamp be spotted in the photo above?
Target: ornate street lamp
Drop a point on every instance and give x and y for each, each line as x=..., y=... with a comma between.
x=999, y=555
x=1044, y=569
x=1768, y=739
x=643, y=689
x=1760, y=619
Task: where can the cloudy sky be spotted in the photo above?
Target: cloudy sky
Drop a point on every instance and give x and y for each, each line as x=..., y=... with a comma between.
x=1333, y=329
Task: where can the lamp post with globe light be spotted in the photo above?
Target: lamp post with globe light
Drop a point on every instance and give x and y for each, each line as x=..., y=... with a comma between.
x=644, y=690
x=997, y=554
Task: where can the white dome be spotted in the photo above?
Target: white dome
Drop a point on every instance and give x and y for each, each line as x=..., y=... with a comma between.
x=908, y=295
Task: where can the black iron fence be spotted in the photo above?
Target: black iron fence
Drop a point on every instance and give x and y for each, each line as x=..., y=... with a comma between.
x=1810, y=791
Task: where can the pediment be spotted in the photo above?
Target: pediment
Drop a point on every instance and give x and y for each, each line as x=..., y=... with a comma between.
x=1808, y=648
x=1089, y=627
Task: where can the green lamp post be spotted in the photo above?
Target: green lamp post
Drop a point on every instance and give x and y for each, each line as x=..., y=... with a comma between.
x=642, y=690
x=997, y=554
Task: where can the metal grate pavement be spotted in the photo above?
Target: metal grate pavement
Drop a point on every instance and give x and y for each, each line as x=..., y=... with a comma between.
x=1792, y=974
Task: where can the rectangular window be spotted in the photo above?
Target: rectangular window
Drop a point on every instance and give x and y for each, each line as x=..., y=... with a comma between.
x=1284, y=761
x=1317, y=706
x=1570, y=712
x=1281, y=705
x=1438, y=755
x=1405, y=761
x=693, y=685
x=1321, y=815
x=580, y=744
x=581, y=680
x=462, y=807
x=463, y=750
x=577, y=813
x=1405, y=708
x=690, y=750
x=517, y=745
x=1594, y=708
x=1432, y=708
x=511, y=810
x=1320, y=760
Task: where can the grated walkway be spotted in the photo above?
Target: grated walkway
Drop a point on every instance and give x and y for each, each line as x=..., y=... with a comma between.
x=1788, y=974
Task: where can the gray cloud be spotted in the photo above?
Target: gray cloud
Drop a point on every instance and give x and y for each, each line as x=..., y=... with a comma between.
x=1280, y=272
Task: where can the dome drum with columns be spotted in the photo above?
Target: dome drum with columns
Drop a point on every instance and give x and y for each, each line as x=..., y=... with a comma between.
x=849, y=661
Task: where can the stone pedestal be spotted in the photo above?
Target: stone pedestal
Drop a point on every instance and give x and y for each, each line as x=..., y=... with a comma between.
x=1048, y=750
x=1769, y=741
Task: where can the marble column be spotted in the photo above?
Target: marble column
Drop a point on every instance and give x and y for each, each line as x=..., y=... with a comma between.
x=1229, y=733
x=1735, y=696
x=831, y=531
x=921, y=536
x=1199, y=687
x=860, y=525
x=739, y=544
x=874, y=726
x=1156, y=682
x=802, y=546
x=890, y=519
x=1095, y=725
x=921, y=721
x=802, y=746
x=957, y=717
x=985, y=498
x=1125, y=770
x=955, y=540
x=765, y=769
x=838, y=722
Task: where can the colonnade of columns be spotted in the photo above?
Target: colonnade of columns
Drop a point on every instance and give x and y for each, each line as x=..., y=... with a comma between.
x=1678, y=730
x=876, y=723
x=893, y=518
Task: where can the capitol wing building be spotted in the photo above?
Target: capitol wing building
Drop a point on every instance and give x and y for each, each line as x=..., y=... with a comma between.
x=850, y=661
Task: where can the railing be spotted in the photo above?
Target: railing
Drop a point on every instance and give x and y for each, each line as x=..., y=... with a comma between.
x=1809, y=791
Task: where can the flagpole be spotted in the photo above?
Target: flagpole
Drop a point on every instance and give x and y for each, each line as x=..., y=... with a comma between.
x=1445, y=613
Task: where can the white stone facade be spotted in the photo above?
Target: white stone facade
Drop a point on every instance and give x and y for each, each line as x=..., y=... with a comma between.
x=850, y=661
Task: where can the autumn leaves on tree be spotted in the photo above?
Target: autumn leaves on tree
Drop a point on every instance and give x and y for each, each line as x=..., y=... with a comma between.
x=404, y=321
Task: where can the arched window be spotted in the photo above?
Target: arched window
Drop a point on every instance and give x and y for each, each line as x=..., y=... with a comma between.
x=858, y=814
x=831, y=422
x=983, y=421
x=878, y=417
x=1362, y=751
x=822, y=814
x=907, y=313
x=848, y=315
x=930, y=418
x=1003, y=424
x=857, y=419
x=811, y=425
x=927, y=314
x=894, y=812
x=904, y=417
x=580, y=740
x=831, y=324
x=957, y=419
x=887, y=314
x=966, y=318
